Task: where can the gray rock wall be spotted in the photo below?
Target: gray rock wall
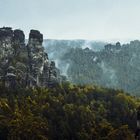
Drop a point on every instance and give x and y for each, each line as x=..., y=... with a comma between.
x=25, y=65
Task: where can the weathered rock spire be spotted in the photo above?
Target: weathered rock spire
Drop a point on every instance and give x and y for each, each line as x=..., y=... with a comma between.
x=25, y=65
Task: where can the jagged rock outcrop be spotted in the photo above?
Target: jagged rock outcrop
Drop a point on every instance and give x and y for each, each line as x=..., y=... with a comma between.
x=25, y=65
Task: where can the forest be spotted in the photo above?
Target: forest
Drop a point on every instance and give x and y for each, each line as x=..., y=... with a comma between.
x=67, y=112
x=112, y=65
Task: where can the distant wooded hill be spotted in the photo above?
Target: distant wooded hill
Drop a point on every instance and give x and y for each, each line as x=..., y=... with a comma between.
x=88, y=62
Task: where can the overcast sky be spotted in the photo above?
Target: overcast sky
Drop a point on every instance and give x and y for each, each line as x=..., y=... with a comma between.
x=74, y=19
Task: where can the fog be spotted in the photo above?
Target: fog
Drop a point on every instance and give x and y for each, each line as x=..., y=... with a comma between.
x=106, y=20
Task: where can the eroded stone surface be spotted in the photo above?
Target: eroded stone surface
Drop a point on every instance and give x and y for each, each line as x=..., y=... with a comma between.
x=25, y=65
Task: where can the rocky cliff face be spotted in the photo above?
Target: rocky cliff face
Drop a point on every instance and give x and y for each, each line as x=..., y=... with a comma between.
x=25, y=65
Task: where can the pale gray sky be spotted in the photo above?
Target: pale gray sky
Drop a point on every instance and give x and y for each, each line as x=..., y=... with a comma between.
x=74, y=19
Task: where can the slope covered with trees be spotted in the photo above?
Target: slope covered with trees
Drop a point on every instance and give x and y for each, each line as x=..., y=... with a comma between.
x=114, y=66
x=67, y=112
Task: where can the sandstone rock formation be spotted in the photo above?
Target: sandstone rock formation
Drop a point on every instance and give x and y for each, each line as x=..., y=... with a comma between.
x=25, y=65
